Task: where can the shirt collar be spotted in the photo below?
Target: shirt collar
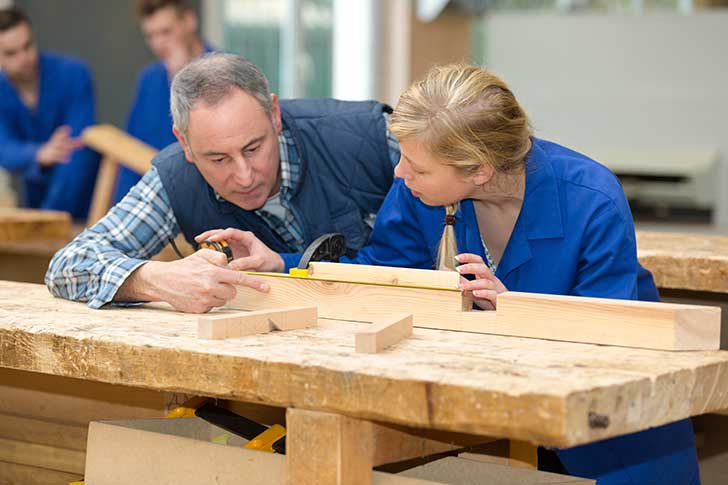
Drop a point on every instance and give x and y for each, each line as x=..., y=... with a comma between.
x=541, y=211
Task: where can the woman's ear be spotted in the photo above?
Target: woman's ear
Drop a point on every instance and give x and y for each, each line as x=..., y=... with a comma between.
x=483, y=175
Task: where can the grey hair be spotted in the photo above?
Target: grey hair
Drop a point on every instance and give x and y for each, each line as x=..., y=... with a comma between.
x=212, y=78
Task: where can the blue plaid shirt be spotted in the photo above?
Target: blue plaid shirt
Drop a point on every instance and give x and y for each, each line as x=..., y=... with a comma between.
x=96, y=263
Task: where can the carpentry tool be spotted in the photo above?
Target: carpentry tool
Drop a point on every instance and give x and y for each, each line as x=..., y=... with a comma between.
x=260, y=437
x=328, y=247
x=219, y=246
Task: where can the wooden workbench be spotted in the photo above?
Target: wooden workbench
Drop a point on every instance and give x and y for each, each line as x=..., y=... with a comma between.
x=688, y=268
x=693, y=268
x=28, y=240
x=691, y=262
x=526, y=389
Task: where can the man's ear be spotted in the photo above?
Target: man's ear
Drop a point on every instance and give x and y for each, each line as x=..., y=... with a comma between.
x=276, y=113
x=183, y=142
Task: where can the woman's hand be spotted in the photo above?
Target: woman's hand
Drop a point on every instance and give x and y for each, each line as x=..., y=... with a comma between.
x=249, y=252
x=485, y=286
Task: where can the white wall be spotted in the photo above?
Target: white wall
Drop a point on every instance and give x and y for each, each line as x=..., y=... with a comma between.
x=610, y=83
x=623, y=80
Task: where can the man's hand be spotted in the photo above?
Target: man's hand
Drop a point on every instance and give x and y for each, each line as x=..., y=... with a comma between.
x=194, y=284
x=249, y=252
x=485, y=287
x=58, y=148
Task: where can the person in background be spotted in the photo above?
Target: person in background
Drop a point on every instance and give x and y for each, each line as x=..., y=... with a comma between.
x=46, y=100
x=170, y=29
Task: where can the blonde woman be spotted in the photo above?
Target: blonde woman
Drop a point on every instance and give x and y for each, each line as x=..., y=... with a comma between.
x=476, y=192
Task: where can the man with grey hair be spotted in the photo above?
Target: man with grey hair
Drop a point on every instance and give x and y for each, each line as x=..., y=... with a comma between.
x=276, y=174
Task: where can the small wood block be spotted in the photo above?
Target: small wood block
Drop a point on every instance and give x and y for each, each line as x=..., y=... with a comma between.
x=240, y=324
x=381, y=335
x=626, y=323
x=361, y=273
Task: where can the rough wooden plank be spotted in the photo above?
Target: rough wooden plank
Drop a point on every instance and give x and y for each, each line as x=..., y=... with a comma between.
x=15, y=474
x=74, y=401
x=328, y=449
x=18, y=224
x=43, y=432
x=685, y=261
x=475, y=383
x=381, y=335
x=23, y=453
x=120, y=146
x=239, y=324
x=387, y=275
x=431, y=308
x=663, y=326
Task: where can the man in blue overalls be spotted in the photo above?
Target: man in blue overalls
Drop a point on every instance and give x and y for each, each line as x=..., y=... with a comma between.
x=170, y=29
x=46, y=100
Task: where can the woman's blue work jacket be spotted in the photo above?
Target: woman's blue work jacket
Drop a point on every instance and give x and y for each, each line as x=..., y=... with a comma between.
x=573, y=236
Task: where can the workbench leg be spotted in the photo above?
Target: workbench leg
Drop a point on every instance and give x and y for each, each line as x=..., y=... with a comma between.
x=327, y=449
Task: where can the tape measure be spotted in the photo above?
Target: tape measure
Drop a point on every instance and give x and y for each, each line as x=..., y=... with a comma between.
x=219, y=246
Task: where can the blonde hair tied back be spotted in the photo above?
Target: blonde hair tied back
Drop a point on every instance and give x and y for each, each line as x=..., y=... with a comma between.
x=448, y=248
x=467, y=117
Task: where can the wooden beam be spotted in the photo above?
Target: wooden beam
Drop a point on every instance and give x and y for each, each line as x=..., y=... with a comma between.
x=74, y=401
x=120, y=146
x=383, y=334
x=103, y=191
x=626, y=323
x=116, y=147
x=239, y=324
x=12, y=473
x=43, y=432
x=435, y=308
x=328, y=449
x=361, y=273
x=31, y=225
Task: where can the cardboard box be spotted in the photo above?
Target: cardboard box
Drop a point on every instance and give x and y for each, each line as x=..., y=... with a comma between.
x=182, y=451
x=173, y=451
x=461, y=471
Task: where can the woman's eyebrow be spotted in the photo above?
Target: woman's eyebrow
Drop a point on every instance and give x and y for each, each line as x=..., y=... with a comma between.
x=410, y=161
